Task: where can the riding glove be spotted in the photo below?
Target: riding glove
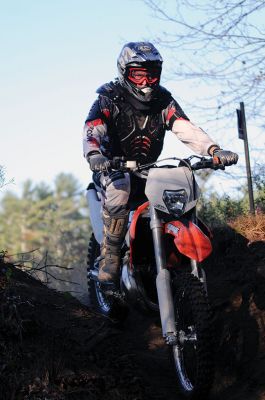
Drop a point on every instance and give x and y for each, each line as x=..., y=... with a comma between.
x=226, y=157
x=98, y=162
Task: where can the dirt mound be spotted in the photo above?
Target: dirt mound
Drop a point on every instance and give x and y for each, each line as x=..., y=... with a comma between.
x=236, y=283
x=52, y=347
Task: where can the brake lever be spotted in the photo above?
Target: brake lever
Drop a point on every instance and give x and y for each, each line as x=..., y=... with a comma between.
x=217, y=164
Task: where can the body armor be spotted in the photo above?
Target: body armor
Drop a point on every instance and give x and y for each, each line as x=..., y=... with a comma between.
x=135, y=130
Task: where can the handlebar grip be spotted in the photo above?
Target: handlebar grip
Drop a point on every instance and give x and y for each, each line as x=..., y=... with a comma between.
x=120, y=164
x=212, y=163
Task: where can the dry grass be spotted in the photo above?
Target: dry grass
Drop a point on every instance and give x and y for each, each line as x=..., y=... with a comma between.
x=250, y=226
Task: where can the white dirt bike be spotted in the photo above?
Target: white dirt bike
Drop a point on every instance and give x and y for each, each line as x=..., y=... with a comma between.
x=160, y=266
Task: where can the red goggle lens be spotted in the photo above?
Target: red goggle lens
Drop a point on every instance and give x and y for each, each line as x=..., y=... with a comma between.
x=141, y=75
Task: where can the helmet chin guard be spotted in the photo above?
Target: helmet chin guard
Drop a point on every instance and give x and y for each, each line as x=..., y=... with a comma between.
x=142, y=55
x=145, y=94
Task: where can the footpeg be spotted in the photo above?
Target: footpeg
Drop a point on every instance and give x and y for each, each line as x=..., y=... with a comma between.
x=111, y=292
x=171, y=339
x=93, y=275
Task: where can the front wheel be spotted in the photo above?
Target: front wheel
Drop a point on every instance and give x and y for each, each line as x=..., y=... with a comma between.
x=193, y=355
x=109, y=307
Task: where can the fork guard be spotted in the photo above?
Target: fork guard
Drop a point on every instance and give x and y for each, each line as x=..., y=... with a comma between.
x=189, y=239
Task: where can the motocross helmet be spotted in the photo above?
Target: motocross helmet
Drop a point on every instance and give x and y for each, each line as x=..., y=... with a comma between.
x=139, y=69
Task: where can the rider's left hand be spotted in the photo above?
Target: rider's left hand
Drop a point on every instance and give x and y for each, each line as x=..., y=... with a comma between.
x=226, y=157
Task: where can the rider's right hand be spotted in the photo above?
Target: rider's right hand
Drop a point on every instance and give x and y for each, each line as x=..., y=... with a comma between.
x=98, y=162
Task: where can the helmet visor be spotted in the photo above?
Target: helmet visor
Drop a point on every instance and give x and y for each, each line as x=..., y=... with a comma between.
x=141, y=76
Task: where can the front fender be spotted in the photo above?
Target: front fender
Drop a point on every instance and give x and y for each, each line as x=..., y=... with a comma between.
x=189, y=239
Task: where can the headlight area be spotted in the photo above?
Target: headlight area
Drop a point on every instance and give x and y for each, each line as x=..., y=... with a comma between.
x=175, y=201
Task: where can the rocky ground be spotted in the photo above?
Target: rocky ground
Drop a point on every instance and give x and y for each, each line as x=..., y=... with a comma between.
x=53, y=347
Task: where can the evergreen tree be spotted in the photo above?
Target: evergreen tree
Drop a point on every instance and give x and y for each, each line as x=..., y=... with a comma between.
x=53, y=220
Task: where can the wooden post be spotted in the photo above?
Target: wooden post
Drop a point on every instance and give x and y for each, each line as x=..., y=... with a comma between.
x=242, y=134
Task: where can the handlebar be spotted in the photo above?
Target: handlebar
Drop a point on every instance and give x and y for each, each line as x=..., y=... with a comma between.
x=119, y=163
x=212, y=163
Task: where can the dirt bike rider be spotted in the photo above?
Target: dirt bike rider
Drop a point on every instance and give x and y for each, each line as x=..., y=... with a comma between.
x=129, y=118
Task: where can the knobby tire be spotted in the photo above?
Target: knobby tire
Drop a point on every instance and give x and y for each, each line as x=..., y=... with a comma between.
x=189, y=293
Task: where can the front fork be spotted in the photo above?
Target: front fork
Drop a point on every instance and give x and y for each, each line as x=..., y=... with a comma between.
x=163, y=281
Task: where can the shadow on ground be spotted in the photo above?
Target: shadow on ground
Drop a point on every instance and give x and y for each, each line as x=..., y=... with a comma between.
x=52, y=347
x=236, y=283
x=236, y=286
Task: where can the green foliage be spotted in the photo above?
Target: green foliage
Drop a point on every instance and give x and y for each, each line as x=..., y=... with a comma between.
x=217, y=210
x=259, y=184
x=53, y=220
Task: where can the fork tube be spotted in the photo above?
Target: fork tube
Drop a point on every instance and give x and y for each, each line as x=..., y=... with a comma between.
x=163, y=280
x=157, y=232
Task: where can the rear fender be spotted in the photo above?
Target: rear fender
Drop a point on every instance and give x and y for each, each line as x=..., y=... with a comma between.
x=189, y=239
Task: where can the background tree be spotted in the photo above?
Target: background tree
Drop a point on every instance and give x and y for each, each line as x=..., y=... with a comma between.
x=218, y=210
x=3, y=180
x=218, y=43
x=259, y=184
x=2, y=176
x=53, y=220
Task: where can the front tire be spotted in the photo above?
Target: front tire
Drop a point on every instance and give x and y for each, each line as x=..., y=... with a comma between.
x=193, y=356
x=109, y=307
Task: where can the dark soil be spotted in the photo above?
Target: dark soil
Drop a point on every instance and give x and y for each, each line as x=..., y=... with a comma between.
x=52, y=347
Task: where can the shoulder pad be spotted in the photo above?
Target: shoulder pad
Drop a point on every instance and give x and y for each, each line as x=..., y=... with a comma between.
x=164, y=91
x=109, y=90
x=163, y=97
x=106, y=88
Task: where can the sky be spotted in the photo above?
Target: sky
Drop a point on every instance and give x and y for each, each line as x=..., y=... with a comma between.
x=54, y=55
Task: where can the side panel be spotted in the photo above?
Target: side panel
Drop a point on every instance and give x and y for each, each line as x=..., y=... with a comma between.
x=94, y=205
x=189, y=239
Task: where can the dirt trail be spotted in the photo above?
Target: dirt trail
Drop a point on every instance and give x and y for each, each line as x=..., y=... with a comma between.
x=238, y=375
x=52, y=347
x=143, y=337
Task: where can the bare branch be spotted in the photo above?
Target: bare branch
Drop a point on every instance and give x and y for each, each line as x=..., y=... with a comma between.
x=220, y=43
x=41, y=265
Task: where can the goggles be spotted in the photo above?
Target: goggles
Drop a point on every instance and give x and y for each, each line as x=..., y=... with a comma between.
x=139, y=76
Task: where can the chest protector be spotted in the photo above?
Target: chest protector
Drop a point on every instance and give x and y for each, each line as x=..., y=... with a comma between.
x=137, y=130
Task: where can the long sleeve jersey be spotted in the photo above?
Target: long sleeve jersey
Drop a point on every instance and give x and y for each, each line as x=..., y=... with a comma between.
x=119, y=125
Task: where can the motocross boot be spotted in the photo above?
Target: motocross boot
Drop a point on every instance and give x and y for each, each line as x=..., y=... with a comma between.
x=114, y=232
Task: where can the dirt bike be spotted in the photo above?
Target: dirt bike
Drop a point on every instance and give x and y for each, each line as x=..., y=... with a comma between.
x=160, y=265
